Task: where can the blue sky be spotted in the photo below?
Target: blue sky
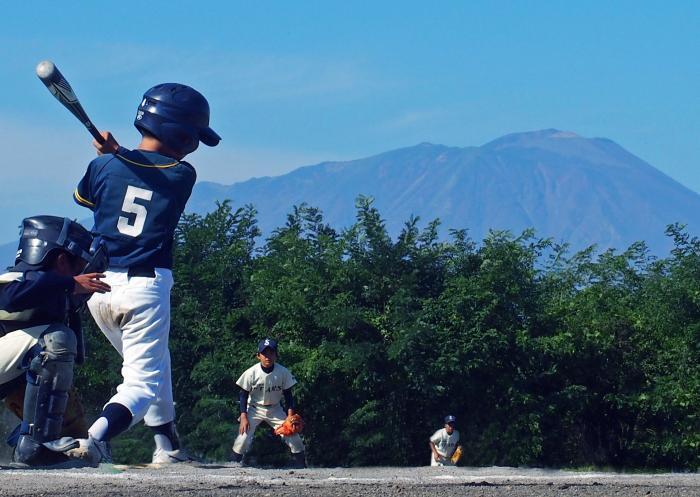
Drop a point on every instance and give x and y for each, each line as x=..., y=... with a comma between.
x=296, y=83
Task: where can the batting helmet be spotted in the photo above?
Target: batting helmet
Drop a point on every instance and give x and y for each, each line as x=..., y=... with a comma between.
x=178, y=116
x=42, y=235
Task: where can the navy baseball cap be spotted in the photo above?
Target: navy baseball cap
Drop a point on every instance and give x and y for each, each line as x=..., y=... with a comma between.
x=450, y=419
x=267, y=343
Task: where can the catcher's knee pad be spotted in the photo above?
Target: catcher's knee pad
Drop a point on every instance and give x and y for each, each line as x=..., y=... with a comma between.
x=49, y=378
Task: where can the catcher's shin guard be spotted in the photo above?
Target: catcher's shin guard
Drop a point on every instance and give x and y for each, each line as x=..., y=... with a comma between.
x=49, y=377
x=74, y=422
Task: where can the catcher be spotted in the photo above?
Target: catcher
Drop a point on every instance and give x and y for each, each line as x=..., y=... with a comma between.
x=262, y=388
x=58, y=265
x=443, y=444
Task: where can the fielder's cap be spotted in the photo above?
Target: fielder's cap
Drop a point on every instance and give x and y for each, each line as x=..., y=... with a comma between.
x=267, y=343
x=450, y=419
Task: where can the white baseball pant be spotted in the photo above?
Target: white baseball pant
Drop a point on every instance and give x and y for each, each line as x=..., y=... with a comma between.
x=135, y=318
x=273, y=416
x=13, y=347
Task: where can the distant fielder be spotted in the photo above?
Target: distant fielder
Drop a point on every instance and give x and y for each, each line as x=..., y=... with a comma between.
x=443, y=443
x=263, y=387
x=137, y=197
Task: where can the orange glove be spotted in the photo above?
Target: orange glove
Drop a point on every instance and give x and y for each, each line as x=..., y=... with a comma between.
x=293, y=424
x=456, y=455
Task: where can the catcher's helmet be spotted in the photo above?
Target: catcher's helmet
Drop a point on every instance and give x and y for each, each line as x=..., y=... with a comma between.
x=178, y=116
x=42, y=235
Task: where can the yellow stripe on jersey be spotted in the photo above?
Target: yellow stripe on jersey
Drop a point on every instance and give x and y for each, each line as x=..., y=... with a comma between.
x=157, y=166
x=82, y=200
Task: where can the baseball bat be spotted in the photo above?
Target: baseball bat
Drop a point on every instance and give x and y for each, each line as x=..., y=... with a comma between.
x=60, y=88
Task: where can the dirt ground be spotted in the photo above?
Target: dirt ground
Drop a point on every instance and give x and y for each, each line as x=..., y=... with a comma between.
x=218, y=480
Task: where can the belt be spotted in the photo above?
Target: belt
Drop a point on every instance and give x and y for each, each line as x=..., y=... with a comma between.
x=143, y=271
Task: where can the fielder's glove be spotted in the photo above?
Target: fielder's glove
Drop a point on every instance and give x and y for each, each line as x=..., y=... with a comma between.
x=456, y=455
x=293, y=424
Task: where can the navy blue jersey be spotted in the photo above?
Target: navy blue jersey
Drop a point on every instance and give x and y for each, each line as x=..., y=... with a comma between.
x=33, y=298
x=137, y=198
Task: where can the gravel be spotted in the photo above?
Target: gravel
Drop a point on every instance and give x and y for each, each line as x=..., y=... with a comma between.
x=218, y=480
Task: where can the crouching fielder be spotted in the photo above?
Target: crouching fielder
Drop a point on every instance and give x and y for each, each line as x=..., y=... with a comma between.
x=262, y=388
x=443, y=443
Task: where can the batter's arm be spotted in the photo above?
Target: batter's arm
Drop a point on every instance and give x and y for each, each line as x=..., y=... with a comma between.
x=109, y=146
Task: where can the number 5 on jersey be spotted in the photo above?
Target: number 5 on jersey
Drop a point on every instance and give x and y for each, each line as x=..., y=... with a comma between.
x=131, y=207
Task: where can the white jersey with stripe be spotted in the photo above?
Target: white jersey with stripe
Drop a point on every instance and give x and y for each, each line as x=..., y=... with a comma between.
x=445, y=444
x=265, y=389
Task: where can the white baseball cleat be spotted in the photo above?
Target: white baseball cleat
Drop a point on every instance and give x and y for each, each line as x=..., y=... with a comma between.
x=91, y=451
x=161, y=456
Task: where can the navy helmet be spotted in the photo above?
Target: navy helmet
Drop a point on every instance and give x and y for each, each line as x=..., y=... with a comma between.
x=43, y=235
x=450, y=420
x=178, y=116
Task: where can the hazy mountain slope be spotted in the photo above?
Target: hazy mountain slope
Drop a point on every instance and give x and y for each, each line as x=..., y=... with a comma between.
x=575, y=189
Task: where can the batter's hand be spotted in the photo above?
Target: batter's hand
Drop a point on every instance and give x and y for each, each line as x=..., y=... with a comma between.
x=90, y=283
x=110, y=146
x=244, y=425
x=437, y=457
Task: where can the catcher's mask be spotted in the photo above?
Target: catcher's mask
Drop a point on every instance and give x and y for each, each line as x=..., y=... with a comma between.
x=43, y=235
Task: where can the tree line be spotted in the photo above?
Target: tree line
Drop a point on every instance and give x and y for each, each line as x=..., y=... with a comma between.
x=546, y=357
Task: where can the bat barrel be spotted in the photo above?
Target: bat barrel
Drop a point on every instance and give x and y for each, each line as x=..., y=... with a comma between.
x=45, y=70
x=52, y=78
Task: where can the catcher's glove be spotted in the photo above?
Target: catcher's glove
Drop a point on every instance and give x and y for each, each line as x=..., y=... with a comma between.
x=456, y=455
x=293, y=424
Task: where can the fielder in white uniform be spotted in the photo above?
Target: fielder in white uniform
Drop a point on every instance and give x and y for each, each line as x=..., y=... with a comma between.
x=263, y=387
x=443, y=443
x=137, y=197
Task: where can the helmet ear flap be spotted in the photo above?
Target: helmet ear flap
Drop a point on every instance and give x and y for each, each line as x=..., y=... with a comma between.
x=179, y=137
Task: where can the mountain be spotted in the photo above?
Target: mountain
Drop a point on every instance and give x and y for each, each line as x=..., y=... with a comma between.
x=580, y=190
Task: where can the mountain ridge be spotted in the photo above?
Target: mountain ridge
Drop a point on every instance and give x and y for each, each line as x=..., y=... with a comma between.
x=558, y=182
x=579, y=190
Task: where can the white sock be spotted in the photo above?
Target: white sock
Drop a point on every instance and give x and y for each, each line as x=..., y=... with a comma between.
x=98, y=430
x=162, y=442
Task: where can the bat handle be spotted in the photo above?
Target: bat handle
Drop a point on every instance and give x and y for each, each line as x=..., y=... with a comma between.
x=96, y=134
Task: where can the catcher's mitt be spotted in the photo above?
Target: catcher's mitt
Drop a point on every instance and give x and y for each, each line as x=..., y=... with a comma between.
x=293, y=424
x=456, y=455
